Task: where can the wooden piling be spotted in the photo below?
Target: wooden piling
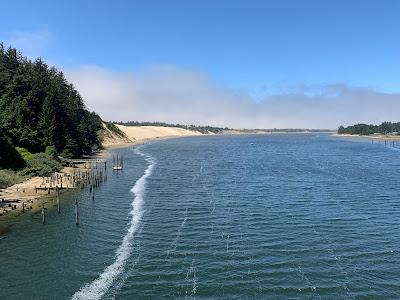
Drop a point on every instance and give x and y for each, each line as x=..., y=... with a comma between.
x=58, y=200
x=43, y=213
x=76, y=212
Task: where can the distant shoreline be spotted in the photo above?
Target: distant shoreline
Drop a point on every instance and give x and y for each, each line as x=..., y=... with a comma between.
x=376, y=137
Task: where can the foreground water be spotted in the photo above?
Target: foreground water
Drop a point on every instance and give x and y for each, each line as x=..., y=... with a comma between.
x=273, y=217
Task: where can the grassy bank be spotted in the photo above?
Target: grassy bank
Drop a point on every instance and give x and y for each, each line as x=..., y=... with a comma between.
x=37, y=164
x=10, y=177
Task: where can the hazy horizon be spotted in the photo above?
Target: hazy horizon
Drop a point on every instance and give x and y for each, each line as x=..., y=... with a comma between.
x=272, y=64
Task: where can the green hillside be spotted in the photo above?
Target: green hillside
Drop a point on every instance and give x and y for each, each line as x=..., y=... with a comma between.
x=39, y=108
x=42, y=116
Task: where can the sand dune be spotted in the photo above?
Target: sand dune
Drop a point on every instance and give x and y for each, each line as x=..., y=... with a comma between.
x=139, y=134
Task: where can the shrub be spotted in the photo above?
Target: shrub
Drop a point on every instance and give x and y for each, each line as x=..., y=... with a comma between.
x=51, y=150
x=42, y=164
x=10, y=177
x=114, y=129
x=25, y=154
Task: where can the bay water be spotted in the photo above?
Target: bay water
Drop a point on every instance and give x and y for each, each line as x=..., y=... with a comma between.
x=286, y=216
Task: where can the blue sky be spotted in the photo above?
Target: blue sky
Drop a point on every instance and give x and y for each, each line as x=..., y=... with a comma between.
x=259, y=48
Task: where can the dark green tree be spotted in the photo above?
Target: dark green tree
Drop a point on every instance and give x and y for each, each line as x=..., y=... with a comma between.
x=39, y=108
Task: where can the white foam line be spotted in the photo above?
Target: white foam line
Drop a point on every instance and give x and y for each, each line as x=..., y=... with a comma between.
x=97, y=288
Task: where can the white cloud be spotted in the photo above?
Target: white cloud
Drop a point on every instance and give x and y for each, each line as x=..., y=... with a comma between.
x=31, y=43
x=173, y=95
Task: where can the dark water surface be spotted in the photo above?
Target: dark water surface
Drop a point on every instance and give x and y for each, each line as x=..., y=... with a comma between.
x=247, y=217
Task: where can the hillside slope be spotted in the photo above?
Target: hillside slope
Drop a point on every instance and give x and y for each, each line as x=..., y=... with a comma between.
x=112, y=137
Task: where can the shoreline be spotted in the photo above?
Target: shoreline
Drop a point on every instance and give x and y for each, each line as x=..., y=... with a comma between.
x=24, y=193
x=13, y=198
x=29, y=196
x=374, y=137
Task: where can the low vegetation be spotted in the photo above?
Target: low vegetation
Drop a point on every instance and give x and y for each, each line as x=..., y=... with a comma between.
x=386, y=128
x=114, y=129
x=41, y=164
x=37, y=164
x=9, y=177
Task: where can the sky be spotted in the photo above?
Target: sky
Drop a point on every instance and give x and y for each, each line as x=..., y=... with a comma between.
x=242, y=64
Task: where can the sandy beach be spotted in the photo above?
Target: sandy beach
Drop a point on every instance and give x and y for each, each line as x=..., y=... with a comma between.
x=136, y=135
x=376, y=137
x=141, y=134
x=28, y=195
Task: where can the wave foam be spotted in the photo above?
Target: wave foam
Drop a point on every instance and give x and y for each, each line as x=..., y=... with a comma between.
x=97, y=288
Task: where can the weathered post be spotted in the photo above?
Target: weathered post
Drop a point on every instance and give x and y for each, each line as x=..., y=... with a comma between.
x=58, y=200
x=76, y=212
x=43, y=214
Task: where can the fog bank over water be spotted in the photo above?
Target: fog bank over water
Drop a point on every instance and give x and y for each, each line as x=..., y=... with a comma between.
x=175, y=95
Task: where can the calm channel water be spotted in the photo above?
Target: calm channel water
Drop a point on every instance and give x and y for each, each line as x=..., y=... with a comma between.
x=295, y=216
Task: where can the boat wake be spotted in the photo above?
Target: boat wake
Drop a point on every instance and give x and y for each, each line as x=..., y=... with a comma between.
x=99, y=287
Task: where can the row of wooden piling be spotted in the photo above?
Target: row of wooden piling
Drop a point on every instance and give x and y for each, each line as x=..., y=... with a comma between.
x=388, y=143
x=92, y=179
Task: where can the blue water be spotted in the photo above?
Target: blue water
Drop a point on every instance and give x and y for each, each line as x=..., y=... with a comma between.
x=221, y=217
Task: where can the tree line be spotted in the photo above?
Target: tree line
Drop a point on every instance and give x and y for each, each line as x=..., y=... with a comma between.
x=39, y=108
x=365, y=129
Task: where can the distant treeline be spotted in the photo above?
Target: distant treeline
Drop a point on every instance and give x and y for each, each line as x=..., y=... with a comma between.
x=39, y=108
x=285, y=130
x=365, y=129
x=202, y=129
